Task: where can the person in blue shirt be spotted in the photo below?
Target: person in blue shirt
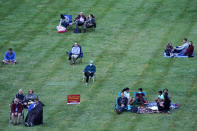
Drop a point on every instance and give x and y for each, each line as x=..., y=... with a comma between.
x=10, y=57
x=89, y=71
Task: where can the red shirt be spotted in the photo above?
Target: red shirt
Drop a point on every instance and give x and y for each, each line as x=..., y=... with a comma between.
x=189, y=50
x=16, y=108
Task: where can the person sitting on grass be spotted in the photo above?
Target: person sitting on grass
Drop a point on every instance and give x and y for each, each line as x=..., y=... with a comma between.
x=89, y=71
x=30, y=97
x=75, y=52
x=131, y=100
x=169, y=49
x=160, y=97
x=91, y=22
x=181, y=49
x=20, y=96
x=140, y=96
x=164, y=105
x=16, y=111
x=10, y=57
x=122, y=103
x=190, y=50
x=79, y=20
x=64, y=21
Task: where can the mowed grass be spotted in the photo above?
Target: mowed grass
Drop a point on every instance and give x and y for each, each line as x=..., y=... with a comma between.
x=127, y=48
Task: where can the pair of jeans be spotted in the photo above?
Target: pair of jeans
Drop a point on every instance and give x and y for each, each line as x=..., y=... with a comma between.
x=88, y=75
x=78, y=23
x=65, y=24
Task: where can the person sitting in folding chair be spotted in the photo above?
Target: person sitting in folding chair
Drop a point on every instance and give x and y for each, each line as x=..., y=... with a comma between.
x=91, y=22
x=79, y=21
x=75, y=53
x=20, y=96
x=140, y=96
x=122, y=103
x=16, y=111
x=64, y=21
x=89, y=71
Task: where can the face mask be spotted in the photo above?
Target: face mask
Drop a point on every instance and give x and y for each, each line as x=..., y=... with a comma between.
x=91, y=64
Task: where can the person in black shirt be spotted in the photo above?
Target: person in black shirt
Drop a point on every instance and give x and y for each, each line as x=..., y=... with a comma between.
x=122, y=104
x=20, y=96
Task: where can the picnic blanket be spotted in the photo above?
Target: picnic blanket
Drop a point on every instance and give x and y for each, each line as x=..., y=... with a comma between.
x=175, y=56
x=151, y=107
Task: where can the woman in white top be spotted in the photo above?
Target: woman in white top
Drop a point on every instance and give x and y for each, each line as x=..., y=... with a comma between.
x=127, y=95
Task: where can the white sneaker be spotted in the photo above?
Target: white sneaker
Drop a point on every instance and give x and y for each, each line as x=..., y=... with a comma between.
x=86, y=84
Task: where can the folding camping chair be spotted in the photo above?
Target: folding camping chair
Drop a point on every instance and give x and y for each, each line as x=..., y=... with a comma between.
x=79, y=57
x=116, y=105
x=69, y=18
x=22, y=118
x=90, y=78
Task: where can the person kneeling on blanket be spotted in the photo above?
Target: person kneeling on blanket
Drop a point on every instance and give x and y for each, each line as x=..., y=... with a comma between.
x=122, y=104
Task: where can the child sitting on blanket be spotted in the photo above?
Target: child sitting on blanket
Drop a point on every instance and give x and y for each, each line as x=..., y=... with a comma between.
x=169, y=49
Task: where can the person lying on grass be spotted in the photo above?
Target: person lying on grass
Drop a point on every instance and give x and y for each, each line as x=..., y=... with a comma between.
x=10, y=57
x=122, y=103
x=75, y=52
x=91, y=22
x=79, y=20
x=190, y=50
x=89, y=71
x=140, y=96
x=181, y=49
x=16, y=110
x=131, y=100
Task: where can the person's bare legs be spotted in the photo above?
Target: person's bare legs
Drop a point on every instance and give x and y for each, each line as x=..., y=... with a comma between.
x=18, y=118
x=5, y=62
x=13, y=118
x=9, y=62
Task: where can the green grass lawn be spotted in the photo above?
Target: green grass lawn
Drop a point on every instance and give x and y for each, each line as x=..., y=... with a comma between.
x=127, y=48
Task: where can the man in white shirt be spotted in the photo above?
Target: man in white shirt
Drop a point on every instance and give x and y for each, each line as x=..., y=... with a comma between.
x=75, y=53
x=183, y=47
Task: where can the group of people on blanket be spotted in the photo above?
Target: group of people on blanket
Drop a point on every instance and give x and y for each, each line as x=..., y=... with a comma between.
x=163, y=100
x=80, y=20
x=186, y=49
x=32, y=103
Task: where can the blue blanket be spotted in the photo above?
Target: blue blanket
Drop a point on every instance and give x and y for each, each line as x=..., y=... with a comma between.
x=175, y=55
